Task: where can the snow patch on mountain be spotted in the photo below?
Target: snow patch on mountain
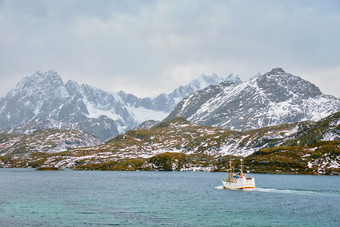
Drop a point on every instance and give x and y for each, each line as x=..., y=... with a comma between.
x=141, y=114
x=95, y=112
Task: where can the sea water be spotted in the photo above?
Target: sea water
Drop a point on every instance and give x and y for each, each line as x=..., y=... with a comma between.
x=113, y=198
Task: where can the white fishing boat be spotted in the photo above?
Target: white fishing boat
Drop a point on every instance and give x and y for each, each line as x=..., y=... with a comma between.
x=238, y=180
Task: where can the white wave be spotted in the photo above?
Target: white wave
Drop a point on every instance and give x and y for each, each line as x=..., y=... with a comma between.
x=284, y=191
x=219, y=187
x=290, y=191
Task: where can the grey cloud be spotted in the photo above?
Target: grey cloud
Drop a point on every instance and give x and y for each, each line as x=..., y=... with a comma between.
x=141, y=44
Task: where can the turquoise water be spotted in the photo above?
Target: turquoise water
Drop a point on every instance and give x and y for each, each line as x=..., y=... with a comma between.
x=98, y=198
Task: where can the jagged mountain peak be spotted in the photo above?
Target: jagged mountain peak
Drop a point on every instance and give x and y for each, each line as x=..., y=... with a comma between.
x=204, y=81
x=276, y=71
x=72, y=83
x=49, y=78
x=85, y=90
x=255, y=76
x=281, y=86
x=167, y=102
x=232, y=77
x=73, y=88
x=39, y=86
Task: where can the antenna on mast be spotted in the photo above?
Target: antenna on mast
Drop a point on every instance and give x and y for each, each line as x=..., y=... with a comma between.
x=241, y=173
x=231, y=171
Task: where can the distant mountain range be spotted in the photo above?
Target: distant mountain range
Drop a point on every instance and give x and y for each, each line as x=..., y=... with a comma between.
x=42, y=100
x=271, y=99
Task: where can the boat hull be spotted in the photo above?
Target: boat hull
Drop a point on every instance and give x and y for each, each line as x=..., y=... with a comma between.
x=240, y=183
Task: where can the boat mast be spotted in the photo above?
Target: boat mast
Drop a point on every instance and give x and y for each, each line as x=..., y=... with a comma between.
x=231, y=171
x=241, y=173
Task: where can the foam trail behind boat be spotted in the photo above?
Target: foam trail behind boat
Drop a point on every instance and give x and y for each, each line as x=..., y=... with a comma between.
x=295, y=191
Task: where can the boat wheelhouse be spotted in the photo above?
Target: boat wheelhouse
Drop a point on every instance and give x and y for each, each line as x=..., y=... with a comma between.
x=238, y=180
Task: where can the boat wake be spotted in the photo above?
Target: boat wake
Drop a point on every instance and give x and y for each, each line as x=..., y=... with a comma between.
x=295, y=191
x=283, y=191
x=219, y=187
x=287, y=191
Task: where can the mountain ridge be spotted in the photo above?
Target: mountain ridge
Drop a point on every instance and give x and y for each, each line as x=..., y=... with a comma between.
x=274, y=98
x=77, y=106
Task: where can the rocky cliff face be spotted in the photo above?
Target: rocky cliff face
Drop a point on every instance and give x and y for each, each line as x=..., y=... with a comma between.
x=274, y=98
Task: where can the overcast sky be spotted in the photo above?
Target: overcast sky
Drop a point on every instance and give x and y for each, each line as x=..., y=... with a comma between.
x=149, y=47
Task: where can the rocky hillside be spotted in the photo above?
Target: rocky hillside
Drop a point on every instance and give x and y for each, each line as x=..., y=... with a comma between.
x=274, y=98
x=46, y=140
x=181, y=145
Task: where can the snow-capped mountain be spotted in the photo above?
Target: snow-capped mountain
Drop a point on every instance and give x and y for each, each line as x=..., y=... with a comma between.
x=42, y=100
x=274, y=98
x=43, y=97
x=167, y=102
